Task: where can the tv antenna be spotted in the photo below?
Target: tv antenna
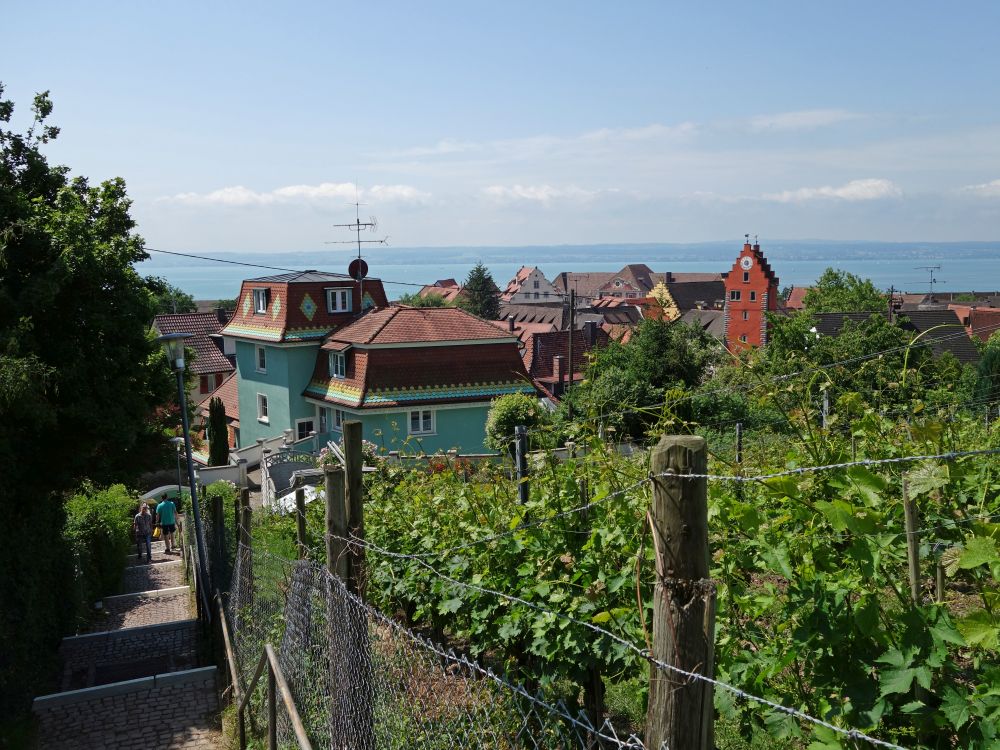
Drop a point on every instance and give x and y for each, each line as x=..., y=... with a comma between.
x=931, y=281
x=358, y=269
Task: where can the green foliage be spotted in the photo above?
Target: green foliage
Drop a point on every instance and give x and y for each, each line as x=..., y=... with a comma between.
x=506, y=413
x=98, y=530
x=170, y=299
x=227, y=304
x=428, y=300
x=987, y=386
x=481, y=297
x=840, y=291
x=218, y=431
x=78, y=369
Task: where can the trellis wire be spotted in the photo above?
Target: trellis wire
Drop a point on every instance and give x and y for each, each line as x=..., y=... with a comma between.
x=362, y=680
x=852, y=734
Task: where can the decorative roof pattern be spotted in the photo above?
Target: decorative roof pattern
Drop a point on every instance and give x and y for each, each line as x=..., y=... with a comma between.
x=297, y=307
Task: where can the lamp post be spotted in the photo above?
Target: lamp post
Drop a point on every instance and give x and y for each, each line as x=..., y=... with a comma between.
x=177, y=443
x=173, y=343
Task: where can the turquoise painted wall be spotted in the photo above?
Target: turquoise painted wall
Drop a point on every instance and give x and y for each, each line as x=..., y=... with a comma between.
x=462, y=428
x=288, y=373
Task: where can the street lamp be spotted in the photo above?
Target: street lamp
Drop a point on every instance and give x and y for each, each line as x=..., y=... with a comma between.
x=173, y=344
x=177, y=443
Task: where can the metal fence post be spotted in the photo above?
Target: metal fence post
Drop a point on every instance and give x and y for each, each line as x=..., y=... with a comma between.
x=300, y=521
x=680, y=713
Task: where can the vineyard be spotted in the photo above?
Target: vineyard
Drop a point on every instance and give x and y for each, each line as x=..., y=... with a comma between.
x=853, y=544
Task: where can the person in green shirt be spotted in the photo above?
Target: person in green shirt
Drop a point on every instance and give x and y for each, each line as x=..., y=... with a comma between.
x=166, y=517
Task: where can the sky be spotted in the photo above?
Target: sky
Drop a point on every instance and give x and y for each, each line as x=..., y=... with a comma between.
x=252, y=126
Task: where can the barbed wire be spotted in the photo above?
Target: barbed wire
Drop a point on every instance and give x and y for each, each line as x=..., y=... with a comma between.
x=949, y=456
x=853, y=734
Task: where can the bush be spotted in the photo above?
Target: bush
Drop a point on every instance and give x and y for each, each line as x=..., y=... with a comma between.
x=506, y=413
x=99, y=533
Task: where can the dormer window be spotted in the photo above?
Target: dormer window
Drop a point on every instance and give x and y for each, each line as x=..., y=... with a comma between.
x=338, y=365
x=338, y=300
x=260, y=300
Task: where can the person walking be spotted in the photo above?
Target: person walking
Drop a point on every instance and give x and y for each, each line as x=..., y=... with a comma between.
x=166, y=517
x=142, y=526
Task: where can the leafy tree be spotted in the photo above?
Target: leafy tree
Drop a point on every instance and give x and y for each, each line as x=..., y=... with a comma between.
x=429, y=300
x=218, y=433
x=226, y=304
x=987, y=388
x=482, y=297
x=80, y=377
x=840, y=291
x=506, y=413
x=170, y=299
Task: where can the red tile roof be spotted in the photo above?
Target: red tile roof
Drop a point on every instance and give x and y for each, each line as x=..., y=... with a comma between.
x=449, y=291
x=230, y=396
x=415, y=325
x=796, y=297
x=208, y=357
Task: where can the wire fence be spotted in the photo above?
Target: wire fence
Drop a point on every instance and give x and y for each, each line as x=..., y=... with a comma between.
x=361, y=680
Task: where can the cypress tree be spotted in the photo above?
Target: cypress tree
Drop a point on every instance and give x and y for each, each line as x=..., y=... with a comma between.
x=218, y=449
x=482, y=297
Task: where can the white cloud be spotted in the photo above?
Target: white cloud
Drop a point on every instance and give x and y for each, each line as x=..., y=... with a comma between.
x=984, y=190
x=806, y=119
x=291, y=194
x=544, y=194
x=856, y=190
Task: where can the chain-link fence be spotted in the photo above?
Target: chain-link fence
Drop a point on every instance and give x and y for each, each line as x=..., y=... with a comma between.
x=361, y=680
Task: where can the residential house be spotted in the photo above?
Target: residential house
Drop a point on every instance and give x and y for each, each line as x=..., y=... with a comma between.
x=528, y=286
x=547, y=357
x=937, y=328
x=210, y=365
x=751, y=293
x=448, y=289
x=229, y=394
x=981, y=322
x=424, y=377
x=277, y=330
x=633, y=281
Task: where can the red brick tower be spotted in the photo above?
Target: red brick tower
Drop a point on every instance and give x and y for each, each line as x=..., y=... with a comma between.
x=751, y=291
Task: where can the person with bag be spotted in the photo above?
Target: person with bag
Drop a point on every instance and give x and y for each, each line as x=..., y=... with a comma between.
x=166, y=517
x=142, y=526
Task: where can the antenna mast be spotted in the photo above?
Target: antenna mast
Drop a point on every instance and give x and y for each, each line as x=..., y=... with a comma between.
x=931, y=281
x=359, y=269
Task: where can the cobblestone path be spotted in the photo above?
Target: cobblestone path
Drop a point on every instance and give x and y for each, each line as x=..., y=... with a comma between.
x=132, y=680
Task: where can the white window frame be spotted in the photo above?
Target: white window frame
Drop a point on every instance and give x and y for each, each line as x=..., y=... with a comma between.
x=323, y=417
x=262, y=409
x=333, y=299
x=338, y=420
x=746, y=315
x=421, y=431
x=299, y=422
x=753, y=296
x=257, y=352
x=260, y=301
x=337, y=365
x=734, y=295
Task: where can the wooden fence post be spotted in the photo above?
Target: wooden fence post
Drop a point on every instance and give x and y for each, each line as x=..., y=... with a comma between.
x=300, y=522
x=521, y=455
x=336, y=522
x=912, y=542
x=680, y=713
x=355, y=506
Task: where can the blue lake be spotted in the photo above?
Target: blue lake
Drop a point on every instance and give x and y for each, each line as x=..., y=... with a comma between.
x=963, y=266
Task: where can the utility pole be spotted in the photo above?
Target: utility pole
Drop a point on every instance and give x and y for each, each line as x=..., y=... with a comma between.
x=569, y=363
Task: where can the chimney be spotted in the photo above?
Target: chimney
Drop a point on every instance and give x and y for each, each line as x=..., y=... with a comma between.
x=558, y=371
x=590, y=333
x=510, y=323
x=222, y=315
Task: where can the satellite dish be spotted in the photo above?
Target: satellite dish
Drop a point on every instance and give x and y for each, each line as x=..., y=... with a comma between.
x=358, y=269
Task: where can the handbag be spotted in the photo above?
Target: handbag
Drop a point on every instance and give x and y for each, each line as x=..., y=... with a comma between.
x=156, y=532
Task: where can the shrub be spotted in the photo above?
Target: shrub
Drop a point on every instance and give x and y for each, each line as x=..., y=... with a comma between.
x=99, y=533
x=506, y=413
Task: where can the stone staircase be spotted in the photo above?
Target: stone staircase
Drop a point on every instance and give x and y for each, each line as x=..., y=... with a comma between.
x=133, y=680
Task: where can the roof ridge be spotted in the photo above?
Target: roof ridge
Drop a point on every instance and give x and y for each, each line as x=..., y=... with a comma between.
x=395, y=311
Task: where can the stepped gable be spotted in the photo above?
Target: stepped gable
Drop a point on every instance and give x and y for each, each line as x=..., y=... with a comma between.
x=296, y=308
x=751, y=293
x=404, y=355
x=208, y=357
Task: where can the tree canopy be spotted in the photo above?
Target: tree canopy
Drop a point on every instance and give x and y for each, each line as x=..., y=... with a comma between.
x=416, y=300
x=482, y=297
x=81, y=379
x=218, y=433
x=840, y=291
x=170, y=299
